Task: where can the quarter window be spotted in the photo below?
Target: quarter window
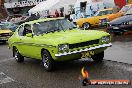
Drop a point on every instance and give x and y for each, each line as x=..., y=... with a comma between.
x=20, y=31
x=23, y=30
x=27, y=29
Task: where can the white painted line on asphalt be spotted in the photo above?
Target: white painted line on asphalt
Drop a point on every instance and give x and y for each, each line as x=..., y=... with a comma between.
x=4, y=78
x=6, y=60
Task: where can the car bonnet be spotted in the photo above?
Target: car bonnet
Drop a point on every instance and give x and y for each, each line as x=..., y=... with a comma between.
x=5, y=31
x=71, y=36
x=122, y=19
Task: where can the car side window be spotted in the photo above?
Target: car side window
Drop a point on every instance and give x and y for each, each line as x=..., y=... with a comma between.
x=27, y=29
x=20, y=30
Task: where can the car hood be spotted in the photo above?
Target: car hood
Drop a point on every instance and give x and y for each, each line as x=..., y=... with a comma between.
x=5, y=31
x=89, y=19
x=122, y=19
x=71, y=36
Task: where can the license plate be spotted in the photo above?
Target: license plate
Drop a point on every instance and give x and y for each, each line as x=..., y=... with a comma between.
x=115, y=27
x=87, y=54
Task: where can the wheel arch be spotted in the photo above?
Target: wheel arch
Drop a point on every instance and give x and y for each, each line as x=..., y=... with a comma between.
x=88, y=23
x=13, y=48
x=46, y=50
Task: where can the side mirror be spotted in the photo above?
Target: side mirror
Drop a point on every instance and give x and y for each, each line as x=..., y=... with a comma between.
x=29, y=35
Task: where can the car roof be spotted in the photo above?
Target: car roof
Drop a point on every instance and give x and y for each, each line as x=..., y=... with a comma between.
x=43, y=20
x=106, y=9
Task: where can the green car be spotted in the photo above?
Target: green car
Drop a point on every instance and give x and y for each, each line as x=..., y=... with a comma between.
x=57, y=39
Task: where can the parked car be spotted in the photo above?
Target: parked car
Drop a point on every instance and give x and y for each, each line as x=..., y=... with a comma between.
x=17, y=18
x=5, y=33
x=105, y=20
x=9, y=25
x=57, y=39
x=121, y=24
x=93, y=21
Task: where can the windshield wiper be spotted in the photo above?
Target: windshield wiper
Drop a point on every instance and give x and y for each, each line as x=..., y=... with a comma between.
x=128, y=14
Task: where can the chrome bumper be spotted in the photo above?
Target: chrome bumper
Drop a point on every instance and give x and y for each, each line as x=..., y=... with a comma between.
x=4, y=38
x=82, y=50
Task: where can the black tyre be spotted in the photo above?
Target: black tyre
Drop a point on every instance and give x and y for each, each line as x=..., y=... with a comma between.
x=86, y=25
x=19, y=58
x=98, y=57
x=47, y=60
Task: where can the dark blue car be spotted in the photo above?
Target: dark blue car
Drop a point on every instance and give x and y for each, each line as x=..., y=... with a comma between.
x=122, y=24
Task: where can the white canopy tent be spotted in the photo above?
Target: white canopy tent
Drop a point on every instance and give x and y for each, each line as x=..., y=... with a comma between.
x=45, y=5
x=42, y=7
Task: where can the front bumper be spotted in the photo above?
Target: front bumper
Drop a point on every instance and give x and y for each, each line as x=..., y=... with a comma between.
x=4, y=38
x=103, y=22
x=120, y=28
x=82, y=50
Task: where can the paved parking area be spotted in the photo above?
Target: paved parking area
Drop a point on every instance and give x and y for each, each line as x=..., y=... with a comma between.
x=30, y=74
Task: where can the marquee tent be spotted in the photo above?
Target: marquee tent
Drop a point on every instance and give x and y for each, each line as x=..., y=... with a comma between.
x=50, y=5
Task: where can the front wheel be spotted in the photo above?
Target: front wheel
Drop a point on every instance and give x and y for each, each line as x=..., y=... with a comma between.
x=19, y=58
x=98, y=57
x=47, y=60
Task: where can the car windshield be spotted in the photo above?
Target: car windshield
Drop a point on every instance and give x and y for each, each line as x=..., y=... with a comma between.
x=52, y=26
x=129, y=12
x=124, y=9
x=100, y=13
x=2, y=27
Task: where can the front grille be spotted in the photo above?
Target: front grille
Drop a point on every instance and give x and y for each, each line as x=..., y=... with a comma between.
x=4, y=34
x=115, y=25
x=83, y=44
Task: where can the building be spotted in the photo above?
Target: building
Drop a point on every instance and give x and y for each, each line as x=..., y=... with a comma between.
x=3, y=13
x=20, y=6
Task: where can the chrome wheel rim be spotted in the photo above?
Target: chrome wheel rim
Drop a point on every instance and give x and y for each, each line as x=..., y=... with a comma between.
x=86, y=25
x=16, y=55
x=45, y=61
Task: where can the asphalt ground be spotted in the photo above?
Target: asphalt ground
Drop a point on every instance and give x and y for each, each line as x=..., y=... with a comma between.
x=117, y=64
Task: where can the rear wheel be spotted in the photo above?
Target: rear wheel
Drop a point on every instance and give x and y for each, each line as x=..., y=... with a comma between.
x=19, y=58
x=47, y=60
x=86, y=25
x=98, y=57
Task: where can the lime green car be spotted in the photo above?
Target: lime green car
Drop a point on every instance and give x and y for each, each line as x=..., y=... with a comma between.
x=56, y=39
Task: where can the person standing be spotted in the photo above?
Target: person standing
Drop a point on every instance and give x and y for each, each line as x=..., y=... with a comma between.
x=56, y=13
x=116, y=8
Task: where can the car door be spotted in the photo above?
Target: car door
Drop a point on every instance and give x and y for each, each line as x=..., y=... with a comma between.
x=18, y=40
x=26, y=41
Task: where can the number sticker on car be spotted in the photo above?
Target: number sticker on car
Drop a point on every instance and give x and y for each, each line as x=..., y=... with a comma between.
x=87, y=54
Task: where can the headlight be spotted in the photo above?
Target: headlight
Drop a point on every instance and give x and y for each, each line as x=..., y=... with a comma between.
x=125, y=23
x=130, y=22
x=11, y=33
x=105, y=39
x=63, y=47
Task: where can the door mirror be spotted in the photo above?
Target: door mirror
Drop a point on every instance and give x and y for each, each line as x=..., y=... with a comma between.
x=29, y=35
